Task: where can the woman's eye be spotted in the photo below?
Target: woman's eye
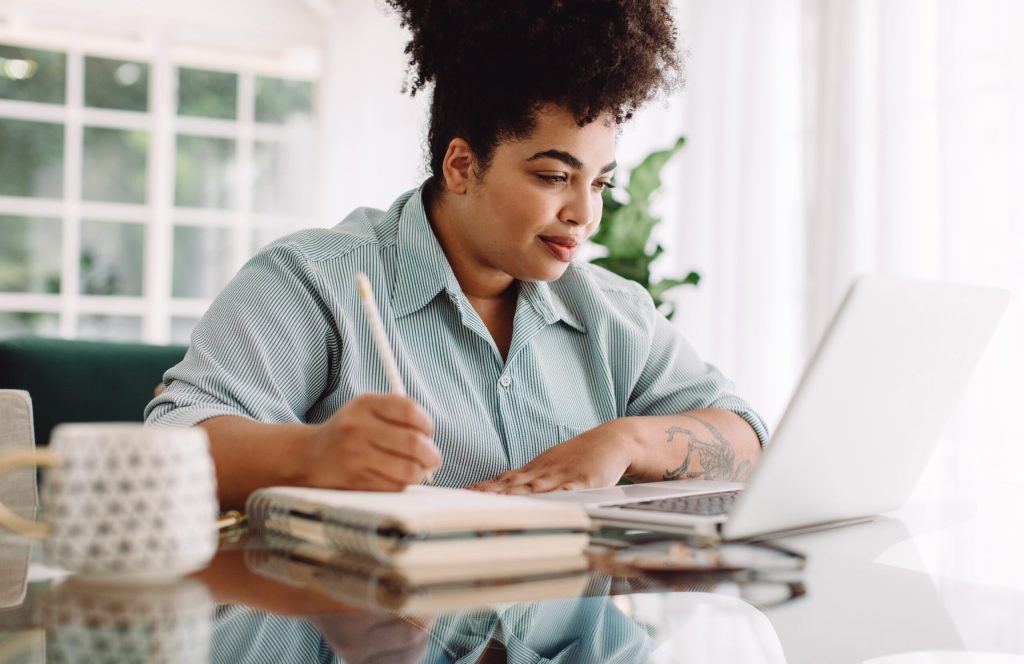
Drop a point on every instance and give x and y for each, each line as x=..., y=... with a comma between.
x=554, y=179
x=603, y=184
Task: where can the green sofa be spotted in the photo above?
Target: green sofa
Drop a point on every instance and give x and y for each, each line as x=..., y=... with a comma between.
x=84, y=381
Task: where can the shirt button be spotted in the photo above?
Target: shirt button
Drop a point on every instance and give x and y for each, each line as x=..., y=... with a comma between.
x=505, y=381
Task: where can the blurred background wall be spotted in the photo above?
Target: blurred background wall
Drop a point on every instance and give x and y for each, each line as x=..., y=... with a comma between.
x=148, y=148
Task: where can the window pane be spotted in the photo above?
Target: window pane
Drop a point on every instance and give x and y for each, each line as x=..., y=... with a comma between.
x=207, y=94
x=203, y=172
x=202, y=261
x=111, y=258
x=31, y=159
x=264, y=235
x=282, y=182
x=277, y=99
x=28, y=74
x=114, y=165
x=28, y=323
x=110, y=328
x=29, y=255
x=181, y=329
x=120, y=84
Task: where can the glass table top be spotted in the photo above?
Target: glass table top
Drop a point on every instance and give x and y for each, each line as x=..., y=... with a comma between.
x=935, y=582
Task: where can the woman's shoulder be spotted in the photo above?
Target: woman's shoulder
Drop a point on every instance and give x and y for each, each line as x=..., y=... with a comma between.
x=363, y=228
x=602, y=282
x=602, y=300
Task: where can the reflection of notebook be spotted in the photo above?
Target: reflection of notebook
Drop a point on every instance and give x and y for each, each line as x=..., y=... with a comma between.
x=366, y=583
x=859, y=428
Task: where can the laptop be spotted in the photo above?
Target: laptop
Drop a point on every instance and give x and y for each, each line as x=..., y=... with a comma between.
x=858, y=431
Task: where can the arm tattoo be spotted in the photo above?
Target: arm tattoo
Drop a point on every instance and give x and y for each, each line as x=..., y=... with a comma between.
x=716, y=458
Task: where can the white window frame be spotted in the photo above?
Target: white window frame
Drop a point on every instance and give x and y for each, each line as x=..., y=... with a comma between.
x=155, y=306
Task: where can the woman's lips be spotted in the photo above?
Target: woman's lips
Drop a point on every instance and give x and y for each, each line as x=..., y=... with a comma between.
x=561, y=248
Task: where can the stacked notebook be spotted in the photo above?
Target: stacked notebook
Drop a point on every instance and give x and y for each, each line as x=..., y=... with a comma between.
x=425, y=548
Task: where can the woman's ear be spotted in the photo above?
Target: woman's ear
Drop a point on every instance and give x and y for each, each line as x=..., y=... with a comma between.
x=457, y=166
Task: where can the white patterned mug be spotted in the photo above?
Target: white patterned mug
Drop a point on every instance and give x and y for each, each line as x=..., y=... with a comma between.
x=123, y=502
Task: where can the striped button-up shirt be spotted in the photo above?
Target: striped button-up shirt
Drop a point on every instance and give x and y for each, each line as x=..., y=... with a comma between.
x=287, y=342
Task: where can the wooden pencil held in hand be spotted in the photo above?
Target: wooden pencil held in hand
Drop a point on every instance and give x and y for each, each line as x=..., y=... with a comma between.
x=380, y=340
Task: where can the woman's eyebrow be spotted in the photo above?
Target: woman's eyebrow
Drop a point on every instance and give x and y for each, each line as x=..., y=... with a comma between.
x=568, y=159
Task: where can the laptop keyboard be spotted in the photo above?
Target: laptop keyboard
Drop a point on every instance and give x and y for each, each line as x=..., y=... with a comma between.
x=705, y=504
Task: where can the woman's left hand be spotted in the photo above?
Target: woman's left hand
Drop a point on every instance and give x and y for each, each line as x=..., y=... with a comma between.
x=594, y=459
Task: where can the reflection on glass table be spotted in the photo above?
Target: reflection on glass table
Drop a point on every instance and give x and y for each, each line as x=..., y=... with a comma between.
x=234, y=611
x=369, y=584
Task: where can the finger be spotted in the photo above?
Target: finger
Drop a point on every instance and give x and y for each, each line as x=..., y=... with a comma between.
x=524, y=475
x=492, y=484
x=407, y=444
x=545, y=483
x=380, y=481
x=374, y=480
x=400, y=469
x=485, y=487
x=402, y=411
x=397, y=470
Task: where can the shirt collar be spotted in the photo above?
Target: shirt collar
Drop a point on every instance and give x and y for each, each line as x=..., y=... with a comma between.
x=423, y=271
x=551, y=303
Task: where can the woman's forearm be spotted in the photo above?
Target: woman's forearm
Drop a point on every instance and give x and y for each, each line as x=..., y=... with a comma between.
x=249, y=455
x=710, y=444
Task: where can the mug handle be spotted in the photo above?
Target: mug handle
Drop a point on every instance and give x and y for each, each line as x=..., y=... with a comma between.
x=10, y=520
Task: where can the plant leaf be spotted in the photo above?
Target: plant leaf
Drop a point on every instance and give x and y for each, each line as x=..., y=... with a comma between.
x=608, y=217
x=659, y=289
x=636, y=268
x=646, y=177
x=630, y=233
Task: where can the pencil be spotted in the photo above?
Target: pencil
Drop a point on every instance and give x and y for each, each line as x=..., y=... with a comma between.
x=380, y=340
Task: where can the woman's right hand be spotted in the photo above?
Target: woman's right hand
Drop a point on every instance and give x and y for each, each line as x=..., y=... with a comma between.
x=375, y=442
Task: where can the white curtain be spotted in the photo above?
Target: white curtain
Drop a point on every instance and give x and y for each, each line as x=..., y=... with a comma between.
x=832, y=137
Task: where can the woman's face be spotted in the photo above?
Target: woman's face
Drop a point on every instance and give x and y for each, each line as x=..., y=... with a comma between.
x=540, y=198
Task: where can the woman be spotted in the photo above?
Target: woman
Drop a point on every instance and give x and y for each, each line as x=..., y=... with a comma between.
x=526, y=371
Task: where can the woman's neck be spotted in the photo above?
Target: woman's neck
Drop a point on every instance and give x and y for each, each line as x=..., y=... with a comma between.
x=479, y=282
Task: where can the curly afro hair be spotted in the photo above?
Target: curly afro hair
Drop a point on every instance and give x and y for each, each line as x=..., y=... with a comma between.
x=493, y=64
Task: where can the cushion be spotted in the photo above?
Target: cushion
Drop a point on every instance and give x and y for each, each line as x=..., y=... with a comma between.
x=84, y=381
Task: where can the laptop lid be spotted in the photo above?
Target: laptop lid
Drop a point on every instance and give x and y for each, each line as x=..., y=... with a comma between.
x=871, y=404
x=859, y=428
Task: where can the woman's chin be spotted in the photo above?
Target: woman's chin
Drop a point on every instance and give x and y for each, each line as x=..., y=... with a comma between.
x=546, y=273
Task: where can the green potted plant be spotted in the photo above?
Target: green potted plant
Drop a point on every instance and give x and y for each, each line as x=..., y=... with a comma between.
x=626, y=228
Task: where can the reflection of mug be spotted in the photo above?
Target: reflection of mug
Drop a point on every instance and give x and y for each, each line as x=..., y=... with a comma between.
x=169, y=623
x=123, y=501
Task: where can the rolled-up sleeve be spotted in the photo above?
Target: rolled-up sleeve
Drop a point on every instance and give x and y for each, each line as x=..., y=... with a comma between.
x=674, y=379
x=264, y=350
